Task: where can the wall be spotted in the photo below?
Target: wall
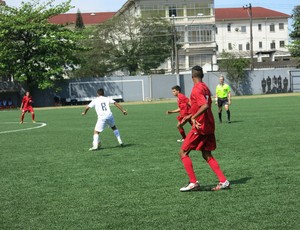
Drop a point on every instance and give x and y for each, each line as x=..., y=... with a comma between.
x=157, y=87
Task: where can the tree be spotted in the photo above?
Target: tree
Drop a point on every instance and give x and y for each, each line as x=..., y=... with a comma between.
x=34, y=51
x=79, y=21
x=235, y=68
x=294, y=48
x=137, y=45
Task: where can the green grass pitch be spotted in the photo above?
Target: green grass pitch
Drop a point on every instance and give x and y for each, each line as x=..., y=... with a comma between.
x=49, y=179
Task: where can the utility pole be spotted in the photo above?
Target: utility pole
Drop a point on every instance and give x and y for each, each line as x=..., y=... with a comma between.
x=175, y=49
x=249, y=10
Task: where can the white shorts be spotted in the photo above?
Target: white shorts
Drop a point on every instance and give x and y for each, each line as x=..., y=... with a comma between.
x=102, y=121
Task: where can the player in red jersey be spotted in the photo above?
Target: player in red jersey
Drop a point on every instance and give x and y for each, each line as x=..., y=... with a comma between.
x=202, y=135
x=26, y=106
x=183, y=110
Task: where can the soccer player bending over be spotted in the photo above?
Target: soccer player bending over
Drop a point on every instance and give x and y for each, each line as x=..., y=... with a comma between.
x=183, y=110
x=105, y=116
x=202, y=135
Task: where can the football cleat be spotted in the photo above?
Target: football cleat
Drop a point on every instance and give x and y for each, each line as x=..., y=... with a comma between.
x=224, y=185
x=93, y=148
x=33, y=121
x=191, y=187
x=180, y=140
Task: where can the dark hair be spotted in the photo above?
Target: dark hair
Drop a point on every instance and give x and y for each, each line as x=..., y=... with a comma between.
x=100, y=92
x=177, y=87
x=197, y=71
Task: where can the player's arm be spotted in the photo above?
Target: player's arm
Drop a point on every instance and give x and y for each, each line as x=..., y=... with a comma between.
x=201, y=110
x=22, y=104
x=229, y=97
x=85, y=110
x=120, y=108
x=216, y=98
x=173, y=111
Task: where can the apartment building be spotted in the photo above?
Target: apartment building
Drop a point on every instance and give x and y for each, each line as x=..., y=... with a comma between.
x=194, y=21
x=269, y=29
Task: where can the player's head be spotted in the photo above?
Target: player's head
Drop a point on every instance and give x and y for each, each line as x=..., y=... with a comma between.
x=27, y=93
x=197, y=72
x=221, y=79
x=100, y=92
x=176, y=90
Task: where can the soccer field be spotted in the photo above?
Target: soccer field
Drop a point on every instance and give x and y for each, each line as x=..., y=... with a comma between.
x=49, y=179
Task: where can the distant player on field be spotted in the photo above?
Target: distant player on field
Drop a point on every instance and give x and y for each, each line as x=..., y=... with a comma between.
x=223, y=98
x=183, y=110
x=26, y=106
x=202, y=136
x=105, y=116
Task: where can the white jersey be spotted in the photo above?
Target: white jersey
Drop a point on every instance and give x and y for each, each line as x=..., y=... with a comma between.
x=101, y=105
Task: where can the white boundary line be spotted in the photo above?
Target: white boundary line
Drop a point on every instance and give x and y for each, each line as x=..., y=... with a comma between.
x=18, y=130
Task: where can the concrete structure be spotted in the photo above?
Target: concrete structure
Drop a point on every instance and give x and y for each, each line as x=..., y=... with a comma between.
x=270, y=33
x=194, y=21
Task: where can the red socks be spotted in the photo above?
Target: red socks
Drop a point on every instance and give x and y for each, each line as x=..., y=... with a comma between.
x=182, y=132
x=188, y=165
x=213, y=163
x=32, y=116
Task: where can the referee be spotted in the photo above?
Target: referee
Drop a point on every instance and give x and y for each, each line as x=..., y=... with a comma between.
x=223, y=98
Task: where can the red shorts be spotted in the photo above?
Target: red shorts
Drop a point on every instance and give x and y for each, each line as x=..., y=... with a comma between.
x=27, y=109
x=196, y=141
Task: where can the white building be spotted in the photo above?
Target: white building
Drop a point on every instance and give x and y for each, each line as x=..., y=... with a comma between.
x=195, y=24
x=269, y=29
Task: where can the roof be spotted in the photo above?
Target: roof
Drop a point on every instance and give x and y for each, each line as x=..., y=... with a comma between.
x=88, y=18
x=240, y=13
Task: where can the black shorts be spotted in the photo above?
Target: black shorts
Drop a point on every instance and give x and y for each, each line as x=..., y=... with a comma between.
x=222, y=101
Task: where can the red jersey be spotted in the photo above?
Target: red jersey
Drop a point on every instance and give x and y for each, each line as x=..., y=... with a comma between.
x=201, y=95
x=27, y=102
x=183, y=105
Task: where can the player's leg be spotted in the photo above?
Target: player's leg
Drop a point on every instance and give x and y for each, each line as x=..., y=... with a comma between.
x=220, y=105
x=226, y=106
x=22, y=116
x=214, y=165
x=111, y=122
x=188, y=166
x=32, y=116
x=187, y=162
x=96, y=137
x=181, y=130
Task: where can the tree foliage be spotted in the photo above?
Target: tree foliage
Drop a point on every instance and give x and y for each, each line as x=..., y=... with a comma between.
x=294, y=48
x=32, y=50
x=135, y=45
x=79, y=21
x=235, y=68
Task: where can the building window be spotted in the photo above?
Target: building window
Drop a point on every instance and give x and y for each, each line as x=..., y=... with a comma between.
x=200, y=33
x=259, y=27
x=272, y=28
x=172, y=11
x=281, y=26
x=199, y=59
x=243, y=29
x=248, y=46
x=260, y=45
x=240, y=47
x=229, y=27
x=281, y=44
x=273, y=45
x=229, y=46
x=193, y=9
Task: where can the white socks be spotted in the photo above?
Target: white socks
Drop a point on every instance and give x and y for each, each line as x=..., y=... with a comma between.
x=117, y=134
x=96, y=140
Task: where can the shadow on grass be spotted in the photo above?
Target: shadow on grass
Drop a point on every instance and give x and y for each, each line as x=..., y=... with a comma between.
x=208, y=188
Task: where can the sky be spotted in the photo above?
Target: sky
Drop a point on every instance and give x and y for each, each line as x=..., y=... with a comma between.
x=115, y=5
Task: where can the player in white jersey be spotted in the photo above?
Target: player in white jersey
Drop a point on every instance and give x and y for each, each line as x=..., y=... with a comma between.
x=105, y=116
